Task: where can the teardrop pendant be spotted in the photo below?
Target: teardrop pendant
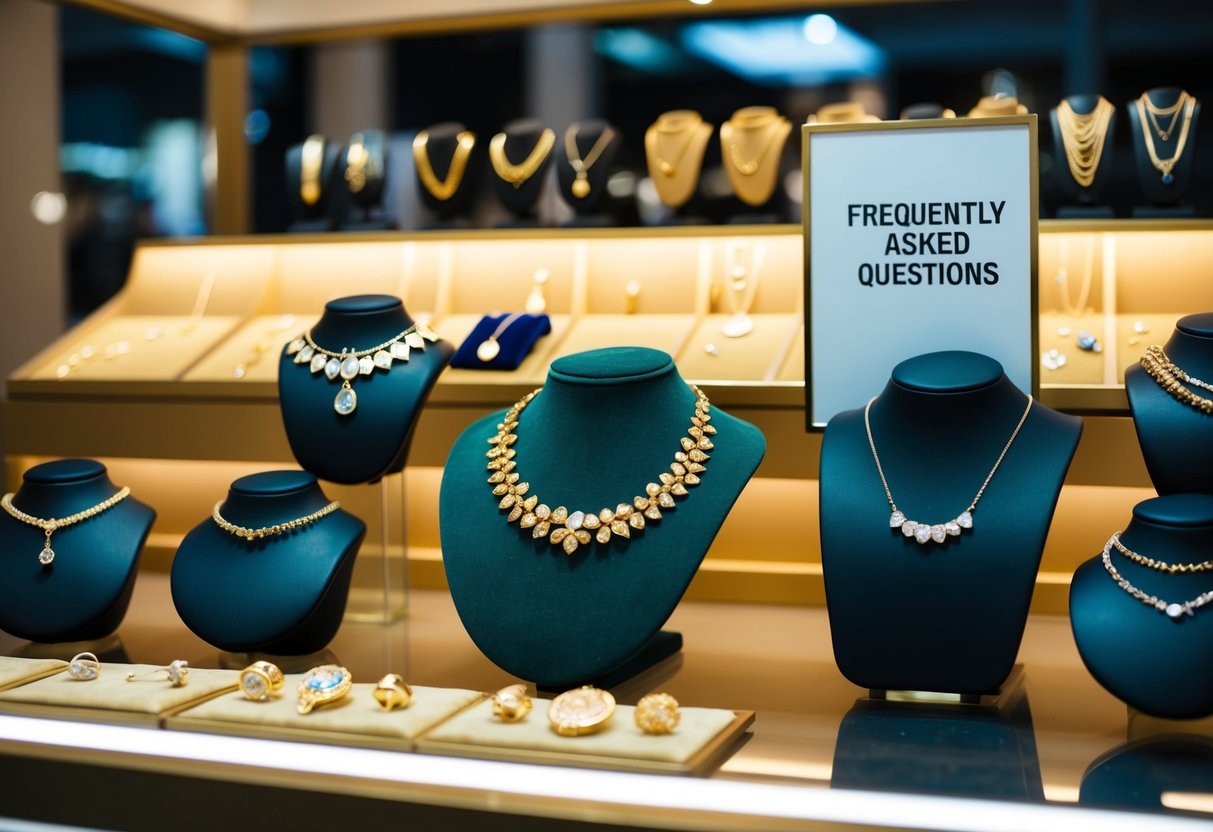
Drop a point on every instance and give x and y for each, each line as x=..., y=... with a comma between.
x=346, y=401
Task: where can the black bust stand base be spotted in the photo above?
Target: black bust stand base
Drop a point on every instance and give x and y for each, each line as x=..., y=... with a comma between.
x=1164, y=212
x=369, y=221
x=1085, y=212
x=755, y=218
x=589, y=221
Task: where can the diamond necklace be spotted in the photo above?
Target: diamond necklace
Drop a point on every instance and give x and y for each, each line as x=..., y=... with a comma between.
x=269, y=531
x=1173, y=610
x=50, y=525
x=922, y=532
x=349, y=363
x=572, y=529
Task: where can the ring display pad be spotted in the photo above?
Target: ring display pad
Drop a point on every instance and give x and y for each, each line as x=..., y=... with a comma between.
x=16, y=672
x=704, y=739
x=110, y=698
x=356, y=719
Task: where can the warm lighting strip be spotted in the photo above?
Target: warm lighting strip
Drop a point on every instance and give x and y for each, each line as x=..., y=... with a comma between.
x=545, y=790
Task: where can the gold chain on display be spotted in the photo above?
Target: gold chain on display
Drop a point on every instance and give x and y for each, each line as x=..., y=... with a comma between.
x=922, y=532
x=1083, y=137
x=572, y=529
x=768, y=124
x=682, y=126
x=270, y=531
x=1148, y=115
x=51, y=525
x=1161, y=566
x=517, y=174
x=1173, y=610
x=311, y=160
x=443, y=189
x=1172, y=379
x=581, y=183
x=355, y=163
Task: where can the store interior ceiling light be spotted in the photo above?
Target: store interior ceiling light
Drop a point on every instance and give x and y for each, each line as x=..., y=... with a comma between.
x=778, y=52
x=639, y=50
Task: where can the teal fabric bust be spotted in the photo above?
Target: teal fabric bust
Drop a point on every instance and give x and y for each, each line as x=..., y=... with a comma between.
x=606, y=423
x=1175, y=438
x=938, y=616
x=1158, y=665
x=283, y=594
x=1137, y=774
x=84, y=593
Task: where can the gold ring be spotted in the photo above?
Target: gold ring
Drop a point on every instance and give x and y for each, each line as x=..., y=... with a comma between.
x=84, y=667
x=260, y=680
x=177, y=672
x=582, y=710
x=511, y=704
x=393, y=692
x=657, y=713
x=323, y=685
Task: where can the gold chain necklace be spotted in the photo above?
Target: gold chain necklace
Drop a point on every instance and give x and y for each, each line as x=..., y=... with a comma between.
x=517, y=174
x=1173, y=610
x=922, y=532
x=1161, y=566
x=1145, y=115
x=443, y=189
x=269, y=531
x=572, y=529
x=350, y=363
x=581, y=182
x=355, y=163
x=1171, y=378
x=1083, y=138
x=1154, y=112
x=685, y=128
x=768, y=125
x=311, y=160
x=51, y=525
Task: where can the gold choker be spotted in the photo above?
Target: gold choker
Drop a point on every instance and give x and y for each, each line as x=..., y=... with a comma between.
x=572, y=529
x=518, y=174
x=269, y=531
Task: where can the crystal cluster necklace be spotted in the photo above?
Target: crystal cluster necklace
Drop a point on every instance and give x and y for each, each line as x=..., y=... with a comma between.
x=572, y=529
x=1148, y=115
x=1083, y=137
x=269, y=531
x=51, y=525
x=349, y=363
x=1173, y=610
x=939, y=532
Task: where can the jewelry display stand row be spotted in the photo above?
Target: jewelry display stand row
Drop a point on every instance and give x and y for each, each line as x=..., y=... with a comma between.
x=447, y=721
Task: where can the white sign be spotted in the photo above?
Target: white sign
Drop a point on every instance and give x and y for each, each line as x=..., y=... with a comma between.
x=921, y=236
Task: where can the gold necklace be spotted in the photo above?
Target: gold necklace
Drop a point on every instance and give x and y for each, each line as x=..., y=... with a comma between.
x=51, y=525
x=311, y=160
x=581, y=183
x=355, y=163
x=1173, y=610
x=443, y=189
x=1154, y=113
x=269, y=531
x=1171, y=378
x=572, y=529
x=1083, y=138
x=1145, y=115
x=685, y=127
x=517, y=174
x=1161, y=566
x=350, y=363
x=922, y=532
x=766, y=124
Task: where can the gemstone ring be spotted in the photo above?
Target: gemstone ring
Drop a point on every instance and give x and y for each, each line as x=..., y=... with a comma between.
x=323, y=685
x=260, y=680
x=177, y=672
x=84, y=667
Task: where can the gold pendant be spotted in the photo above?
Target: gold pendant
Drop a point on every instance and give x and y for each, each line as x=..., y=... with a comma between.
x=322, y=685
x=581, y=186
x=488, y=350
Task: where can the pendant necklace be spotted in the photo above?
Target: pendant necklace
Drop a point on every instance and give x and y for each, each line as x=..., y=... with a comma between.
x=51, y=525
x=311, y=159
x=922, y=532
x=581, y=183
x=349, y=363
x=684, y=129
x=768, y=129
x=518, y=174
x=269, y=531
x=1173, y=610
x=1083, y=138
x=743, y=286
x=1148, y=115
x=569, y=530
x=442, y=189
x=488, y=349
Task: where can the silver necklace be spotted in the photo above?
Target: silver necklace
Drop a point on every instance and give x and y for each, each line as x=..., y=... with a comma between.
x=1174, y=611
x=939, y=532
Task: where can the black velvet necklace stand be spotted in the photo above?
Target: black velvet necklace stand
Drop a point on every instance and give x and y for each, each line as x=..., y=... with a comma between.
x=586, y=208
x=373, y=440
x=1158, y=665
x=314, y=217
x=938, y=617
x=607, y=422
x=1085, y=202
x=281, y=595
x=1176, y=439
x=1165, y=200
x=83, y=595
x=440, y=149
x=521, y=137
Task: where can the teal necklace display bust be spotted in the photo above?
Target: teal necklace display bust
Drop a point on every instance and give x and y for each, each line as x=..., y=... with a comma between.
x=606, y=423
x=943, y=616
x=84, y=592
x=1155, y=662
x=368, y=437
x=281, y=593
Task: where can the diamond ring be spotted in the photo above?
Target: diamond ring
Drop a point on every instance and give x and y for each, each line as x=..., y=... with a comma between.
x=84, y=667
x=177, y=672
x=260, y=680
